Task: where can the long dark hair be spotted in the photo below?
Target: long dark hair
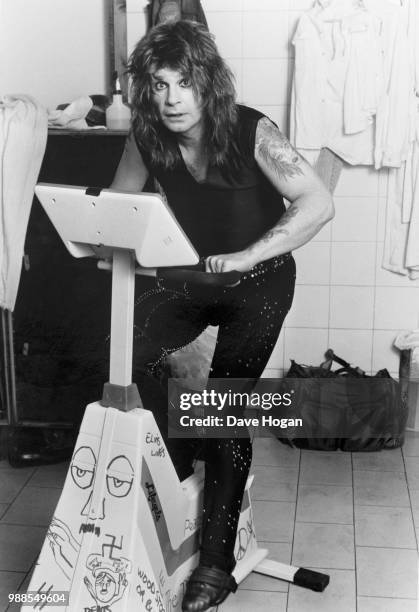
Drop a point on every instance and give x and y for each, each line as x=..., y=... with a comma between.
x=187, y=47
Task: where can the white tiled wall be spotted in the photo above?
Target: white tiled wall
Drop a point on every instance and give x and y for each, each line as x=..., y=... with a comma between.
x=344, y=299
x=54, y=50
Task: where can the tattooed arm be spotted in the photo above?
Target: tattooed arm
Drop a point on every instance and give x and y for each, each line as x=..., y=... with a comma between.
x=311, y=205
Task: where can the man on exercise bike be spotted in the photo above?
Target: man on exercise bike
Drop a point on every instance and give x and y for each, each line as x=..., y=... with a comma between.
x=224, y=169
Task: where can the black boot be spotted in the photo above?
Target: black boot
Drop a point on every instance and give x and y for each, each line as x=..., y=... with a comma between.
x=207, y=587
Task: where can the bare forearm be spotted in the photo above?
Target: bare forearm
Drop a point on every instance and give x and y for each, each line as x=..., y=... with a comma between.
x=131, y=174
x=302, y=220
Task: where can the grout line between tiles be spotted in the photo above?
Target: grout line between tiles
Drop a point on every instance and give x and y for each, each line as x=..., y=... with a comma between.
x=410, y=501
x=36, y=486
x=4, y=511
x=42, y=486
x=387, y=597
x=354, y=532
x=329, y=302
x=23, y=579
x=374, y=304
x=274, y=501
x=401, y=471
x=325, y=484
x=385, y=547
x=323, y=523
x=242, y=588
x=331, y=569
x=268, y=465
x=378, y=506
x=335, y=569
x=274, y=541
x=21, y=488
x=25, y=525
x=295, y=520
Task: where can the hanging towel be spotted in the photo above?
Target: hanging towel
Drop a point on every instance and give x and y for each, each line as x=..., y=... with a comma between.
x=23, y=136
x=394, y=255
x=401, y=245
x=171, y=10
x=412, y=242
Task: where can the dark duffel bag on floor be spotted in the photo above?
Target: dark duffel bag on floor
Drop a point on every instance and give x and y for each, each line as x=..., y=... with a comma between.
x=345, y=409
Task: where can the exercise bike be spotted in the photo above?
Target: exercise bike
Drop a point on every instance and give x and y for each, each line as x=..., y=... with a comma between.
x=125, y=533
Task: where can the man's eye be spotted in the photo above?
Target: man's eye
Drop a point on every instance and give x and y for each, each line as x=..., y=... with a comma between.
x=159, y=86
x=186, y=82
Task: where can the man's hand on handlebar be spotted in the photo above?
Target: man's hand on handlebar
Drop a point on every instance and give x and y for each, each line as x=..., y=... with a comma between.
x=226, y=262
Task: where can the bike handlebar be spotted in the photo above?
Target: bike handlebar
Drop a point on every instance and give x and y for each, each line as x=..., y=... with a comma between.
x=195, y=275
x=200, y=277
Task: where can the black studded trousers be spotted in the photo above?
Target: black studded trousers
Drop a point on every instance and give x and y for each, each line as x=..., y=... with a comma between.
x=250, y=317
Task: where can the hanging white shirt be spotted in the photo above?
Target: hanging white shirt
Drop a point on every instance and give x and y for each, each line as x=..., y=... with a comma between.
x=23, y=135
x=352, y=76
x=335, y=90
x=395, y=113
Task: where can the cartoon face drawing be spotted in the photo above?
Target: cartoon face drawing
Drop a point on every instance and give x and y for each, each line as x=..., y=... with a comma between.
x=109, y=574
x=118, y=475
x=105, y=587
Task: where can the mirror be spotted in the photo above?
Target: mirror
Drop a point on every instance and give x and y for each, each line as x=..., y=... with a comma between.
x=128, y=22
x=118, y=42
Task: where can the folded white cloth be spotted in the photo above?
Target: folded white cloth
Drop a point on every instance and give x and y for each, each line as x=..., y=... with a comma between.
x=23, y=137
x=409, y=340
x=73, y=116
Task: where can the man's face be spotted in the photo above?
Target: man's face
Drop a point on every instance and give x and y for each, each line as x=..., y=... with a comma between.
x=105, y=587
x=178, y=107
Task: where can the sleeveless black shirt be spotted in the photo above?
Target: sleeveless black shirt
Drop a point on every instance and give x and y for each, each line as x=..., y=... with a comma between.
x=222, y=214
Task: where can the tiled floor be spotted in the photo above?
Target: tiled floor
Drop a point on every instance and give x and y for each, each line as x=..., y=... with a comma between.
x=355, y=517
